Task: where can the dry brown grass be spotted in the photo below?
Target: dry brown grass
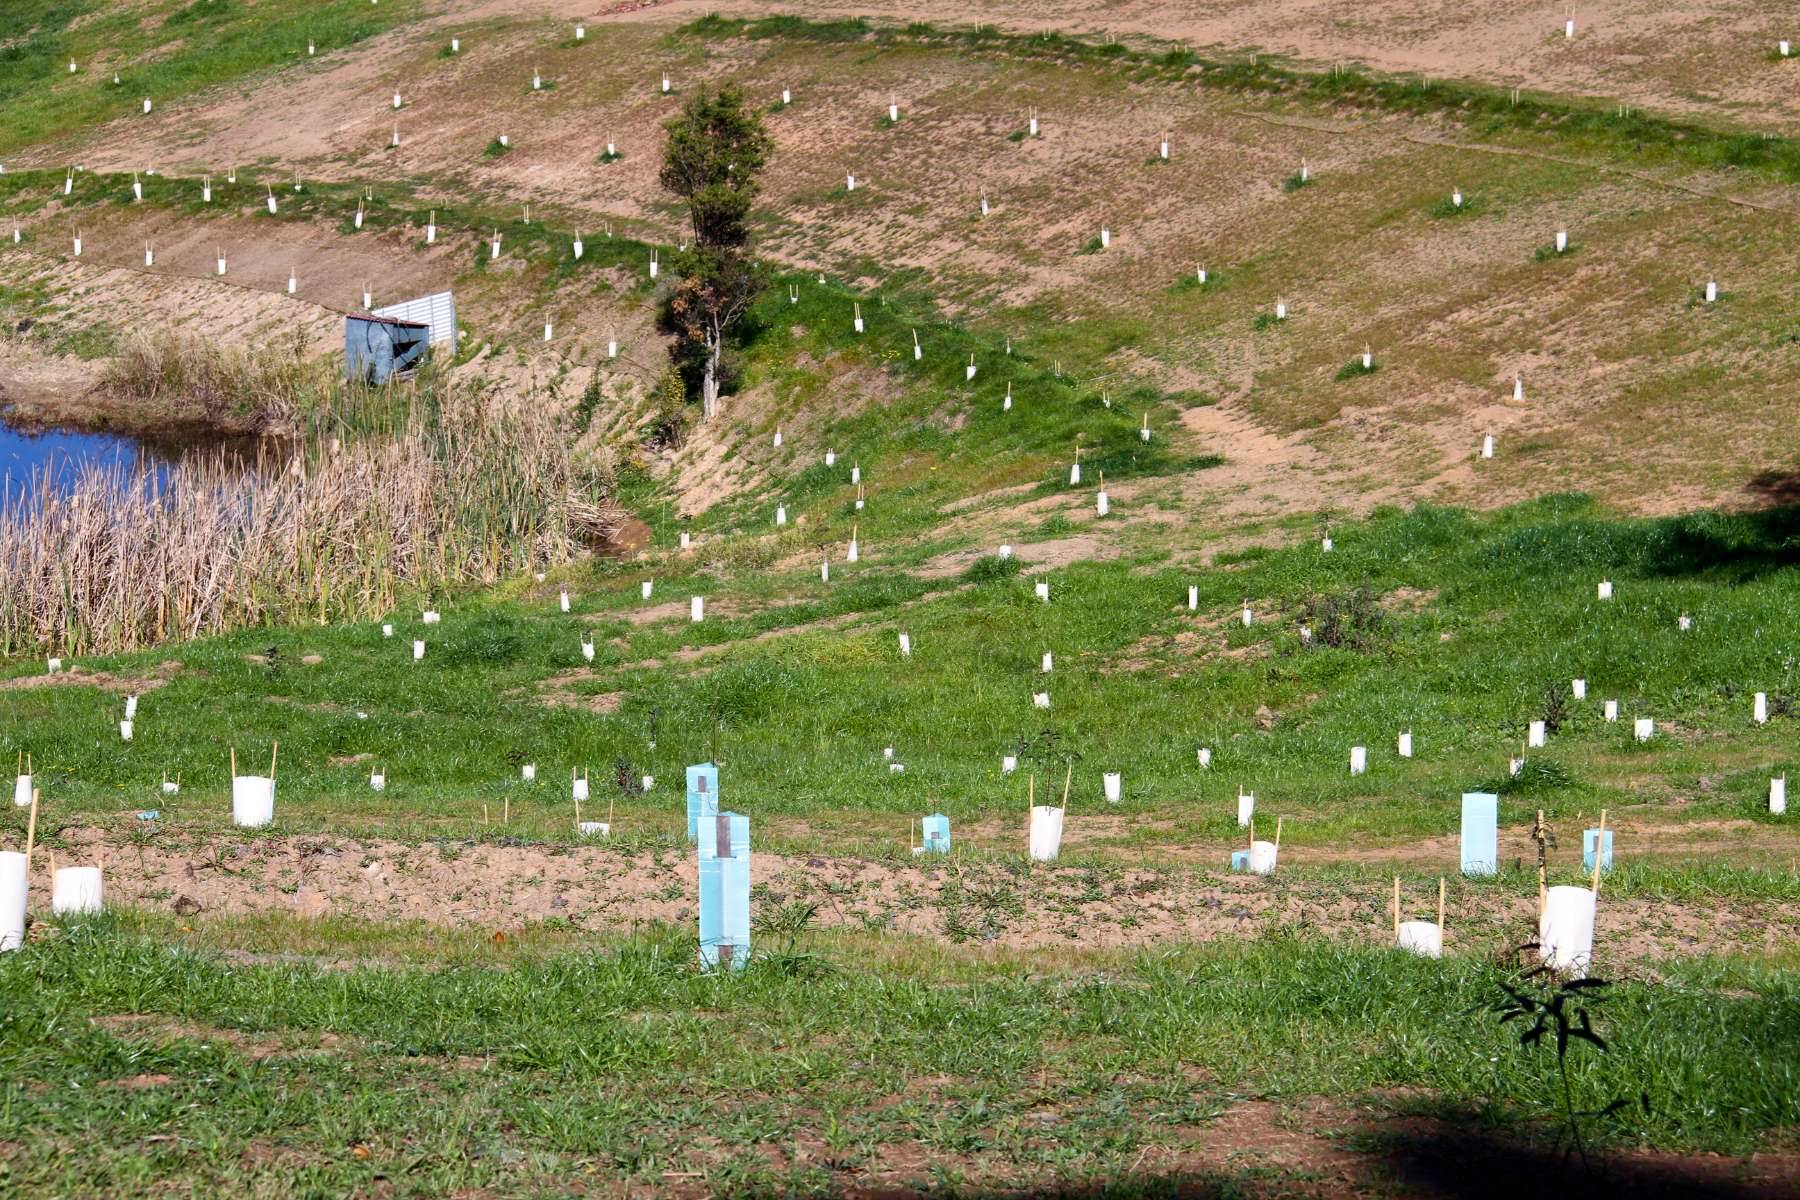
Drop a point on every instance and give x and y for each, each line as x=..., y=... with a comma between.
x=118, y=558
x=257, y=390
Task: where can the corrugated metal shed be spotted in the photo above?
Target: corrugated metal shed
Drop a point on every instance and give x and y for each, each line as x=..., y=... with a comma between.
x=377, y=348
x=437, y=311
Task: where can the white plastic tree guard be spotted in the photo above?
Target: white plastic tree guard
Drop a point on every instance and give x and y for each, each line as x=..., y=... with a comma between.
x=75, y=890
x=1403, y=744
x=1045, y=838
x=1534, y=735
x=697, y=608
x=13, y=891
x=1359, y=760
x=1111, y=784
x=252, y=800
x=1566, y=929
x=1424, y=938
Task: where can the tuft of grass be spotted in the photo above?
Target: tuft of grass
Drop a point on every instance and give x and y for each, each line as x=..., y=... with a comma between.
x=1094, y=246
x=1447, y=208
x=495, y=149
x=991, y=568
x=1354, y=369
x=1267, y=321
x=612, y=157
x=1295, y=182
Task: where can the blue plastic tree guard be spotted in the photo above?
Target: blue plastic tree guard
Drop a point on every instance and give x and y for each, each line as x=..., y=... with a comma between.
x=724, y=850
x=702, y=795
x=1588, y=838
x=1480, y=833
x=1240, y=860
x=936, y=833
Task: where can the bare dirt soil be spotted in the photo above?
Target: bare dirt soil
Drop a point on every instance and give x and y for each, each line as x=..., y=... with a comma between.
x=993, y=904
x=1709, y=60
x=1625, y=373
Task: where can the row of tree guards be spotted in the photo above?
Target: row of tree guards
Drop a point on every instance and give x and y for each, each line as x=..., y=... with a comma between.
x=1566, y=918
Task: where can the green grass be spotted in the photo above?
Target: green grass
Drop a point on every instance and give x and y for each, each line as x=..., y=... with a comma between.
x=1447, y=208
x=622, y=1064
x=197, y=45
x=1501, y=615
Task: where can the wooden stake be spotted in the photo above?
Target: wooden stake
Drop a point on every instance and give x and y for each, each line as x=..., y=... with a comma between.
x=506, y=809
x=1599, y=843
x=234, y=762
x=1396, y=906
x=1067, y=779
x=1440, y=905
x=1277, y=835
x=484, y=814
x=274, y=750
x=31, y=831
x=1542, y=899
x=610, y=803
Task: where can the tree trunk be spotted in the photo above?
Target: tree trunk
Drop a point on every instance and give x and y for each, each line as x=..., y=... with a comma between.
x=709, y=384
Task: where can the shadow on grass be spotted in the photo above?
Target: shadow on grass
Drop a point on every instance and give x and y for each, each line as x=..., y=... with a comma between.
x=1775, y=487
x=1739, y=545
x=1446, y=1159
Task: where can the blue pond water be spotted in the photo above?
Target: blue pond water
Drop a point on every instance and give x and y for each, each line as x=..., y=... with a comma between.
x=24, y=455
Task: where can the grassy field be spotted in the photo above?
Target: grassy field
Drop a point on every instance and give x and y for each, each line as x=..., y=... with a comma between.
x=1460, y=628
x=440, y=988
x=534, y=1070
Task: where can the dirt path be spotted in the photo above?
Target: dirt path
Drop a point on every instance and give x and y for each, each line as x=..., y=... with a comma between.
x=995, y=904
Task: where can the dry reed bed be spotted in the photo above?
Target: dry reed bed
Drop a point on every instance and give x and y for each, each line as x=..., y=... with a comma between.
x=117, y=557
x=262, y=389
